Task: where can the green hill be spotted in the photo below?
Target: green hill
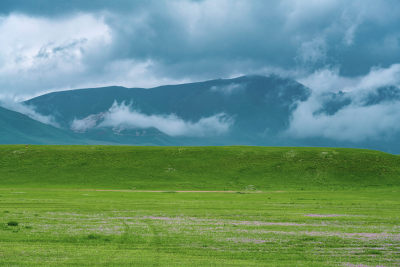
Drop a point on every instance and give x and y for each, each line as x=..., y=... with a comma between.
x=196, y=168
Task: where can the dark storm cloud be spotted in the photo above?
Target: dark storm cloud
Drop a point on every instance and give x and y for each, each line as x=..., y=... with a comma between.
x=62, y=7
x=241, y=36
x=192, y=40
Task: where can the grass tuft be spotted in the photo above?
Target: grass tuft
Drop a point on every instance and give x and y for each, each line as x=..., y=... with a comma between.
x=93, y=236
x=12, y=223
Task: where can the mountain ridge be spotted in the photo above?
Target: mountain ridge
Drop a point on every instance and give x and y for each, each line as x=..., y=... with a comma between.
x=17, y=128
x=247, y=110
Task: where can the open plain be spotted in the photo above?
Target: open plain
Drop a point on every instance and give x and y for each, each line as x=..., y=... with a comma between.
x=198, y=206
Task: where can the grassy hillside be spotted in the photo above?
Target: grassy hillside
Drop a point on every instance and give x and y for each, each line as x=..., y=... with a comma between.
x=196, y=168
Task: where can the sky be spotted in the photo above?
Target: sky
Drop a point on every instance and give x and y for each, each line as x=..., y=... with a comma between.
x=327, y=45
x=48, y=45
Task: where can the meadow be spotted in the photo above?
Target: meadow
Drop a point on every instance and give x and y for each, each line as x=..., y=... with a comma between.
x=198, y=206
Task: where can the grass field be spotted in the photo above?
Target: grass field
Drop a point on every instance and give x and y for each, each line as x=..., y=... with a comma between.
x=123, y=206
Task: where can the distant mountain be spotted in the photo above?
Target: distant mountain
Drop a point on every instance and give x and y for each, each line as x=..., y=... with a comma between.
x=16, y=128
x=255, y=107
x=248, y=110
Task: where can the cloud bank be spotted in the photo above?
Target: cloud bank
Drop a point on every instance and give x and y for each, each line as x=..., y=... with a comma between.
x=368, y=114
x=121, y=116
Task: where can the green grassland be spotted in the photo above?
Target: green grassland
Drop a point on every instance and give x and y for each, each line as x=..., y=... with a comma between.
x=125, y=206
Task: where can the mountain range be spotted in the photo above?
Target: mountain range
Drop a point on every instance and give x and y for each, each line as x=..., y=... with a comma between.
x=16, y=128
x=248, y=110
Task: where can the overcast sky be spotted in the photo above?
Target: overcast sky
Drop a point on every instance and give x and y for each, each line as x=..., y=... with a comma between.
x=48, y=45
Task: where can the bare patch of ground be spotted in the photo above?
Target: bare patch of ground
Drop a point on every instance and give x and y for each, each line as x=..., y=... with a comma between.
x=230, y=222
x=248, y=240
x=325, y=215
x=161, y=191
x=368, y=236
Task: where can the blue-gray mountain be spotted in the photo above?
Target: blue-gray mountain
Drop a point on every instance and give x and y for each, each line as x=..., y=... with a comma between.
x=16, y=128
x=249, y=110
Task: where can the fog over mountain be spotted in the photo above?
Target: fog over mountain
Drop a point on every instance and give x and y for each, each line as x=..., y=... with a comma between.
x=294, y=72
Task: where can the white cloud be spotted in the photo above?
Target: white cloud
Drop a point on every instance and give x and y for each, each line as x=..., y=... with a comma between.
x=129, y=72
x=85, y=124
x=378, y=77
x=28, y=111
x=352, y=123
x=39, y=54
x=228, y=89
x=355, y=122
x=313, y=51
x=160, y=42
x=121, y=116
x=30, y=43
x=327, y=80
